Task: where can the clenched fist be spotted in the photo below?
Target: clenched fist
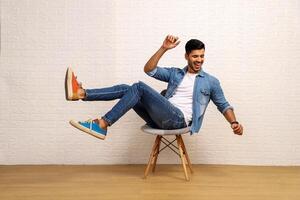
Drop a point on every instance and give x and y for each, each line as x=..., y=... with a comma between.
x=170, y=42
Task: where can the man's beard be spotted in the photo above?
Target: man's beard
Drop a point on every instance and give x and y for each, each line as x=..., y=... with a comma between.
x=193, y=69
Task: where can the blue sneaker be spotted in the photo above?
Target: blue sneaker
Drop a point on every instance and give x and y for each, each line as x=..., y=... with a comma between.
x=90, y=127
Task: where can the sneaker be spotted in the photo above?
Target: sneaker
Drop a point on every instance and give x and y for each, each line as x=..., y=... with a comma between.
x=71, y=85
x=90, y=127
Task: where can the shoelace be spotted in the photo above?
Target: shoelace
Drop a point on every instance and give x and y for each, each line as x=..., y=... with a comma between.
x=79, y=83
x=90, y=121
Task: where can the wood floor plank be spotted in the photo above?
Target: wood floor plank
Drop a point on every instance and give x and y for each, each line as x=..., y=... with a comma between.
x=126, y=182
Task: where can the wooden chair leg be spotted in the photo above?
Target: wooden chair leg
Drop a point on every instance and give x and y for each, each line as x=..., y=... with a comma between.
x=182, y=156
x=151, y=157
x=156, y=153
x=186, y=155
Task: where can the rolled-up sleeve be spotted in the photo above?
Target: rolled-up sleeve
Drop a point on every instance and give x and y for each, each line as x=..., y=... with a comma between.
x=151, y=73
x=160, y=73
x=225, y=109
x=218, y=98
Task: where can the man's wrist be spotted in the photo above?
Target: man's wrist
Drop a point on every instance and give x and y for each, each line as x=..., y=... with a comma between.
x=164, y=49
x=234, y=122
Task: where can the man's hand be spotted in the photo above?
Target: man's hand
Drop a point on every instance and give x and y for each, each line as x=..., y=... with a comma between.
x=230, y=117
x=170, y=42
x=237, y=128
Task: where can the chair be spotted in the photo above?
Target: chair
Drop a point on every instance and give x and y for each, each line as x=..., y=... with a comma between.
x=180, y=149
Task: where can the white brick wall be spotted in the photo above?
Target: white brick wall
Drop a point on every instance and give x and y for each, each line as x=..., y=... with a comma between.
x=253, y=47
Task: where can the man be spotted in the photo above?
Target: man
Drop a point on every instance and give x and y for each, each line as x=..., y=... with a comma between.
x=188, y=93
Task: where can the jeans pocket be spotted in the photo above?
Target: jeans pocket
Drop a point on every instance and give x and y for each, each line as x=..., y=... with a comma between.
x=172, y=124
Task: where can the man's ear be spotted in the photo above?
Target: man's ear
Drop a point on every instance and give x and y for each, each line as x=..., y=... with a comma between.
x=186, y=56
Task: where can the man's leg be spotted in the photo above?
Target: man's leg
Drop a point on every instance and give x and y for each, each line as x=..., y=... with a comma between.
x=158, y=108
x=164, y=114
x=111, y=93
x=105, y=94
x=74, y=91
x=140, y=109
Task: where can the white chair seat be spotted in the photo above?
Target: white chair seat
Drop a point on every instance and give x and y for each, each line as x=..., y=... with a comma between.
x=154, y=131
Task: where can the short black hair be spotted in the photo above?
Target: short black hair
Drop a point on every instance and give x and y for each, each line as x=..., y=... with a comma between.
x=193, y=44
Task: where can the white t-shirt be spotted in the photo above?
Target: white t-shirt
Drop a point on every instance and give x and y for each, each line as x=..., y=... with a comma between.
x=183, y=96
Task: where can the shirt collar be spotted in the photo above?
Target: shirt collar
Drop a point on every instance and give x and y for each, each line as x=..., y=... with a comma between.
x=200, y=73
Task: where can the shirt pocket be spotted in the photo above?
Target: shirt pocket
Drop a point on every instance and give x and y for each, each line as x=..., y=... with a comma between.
x=204, y=96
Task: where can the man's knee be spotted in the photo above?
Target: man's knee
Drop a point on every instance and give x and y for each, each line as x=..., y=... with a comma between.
x=122, y=87
x=139, y=85
x=125, y=86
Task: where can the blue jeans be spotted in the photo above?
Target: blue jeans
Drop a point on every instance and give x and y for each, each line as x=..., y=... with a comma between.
x=150, y=105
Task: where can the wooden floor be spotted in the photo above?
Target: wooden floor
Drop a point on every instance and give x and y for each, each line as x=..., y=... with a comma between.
x=126, y=182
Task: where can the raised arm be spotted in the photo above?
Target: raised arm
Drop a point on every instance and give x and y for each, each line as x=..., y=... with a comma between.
x=170, y=42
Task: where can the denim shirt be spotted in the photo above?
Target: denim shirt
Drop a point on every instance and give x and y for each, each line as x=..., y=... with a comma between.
x=206, y=88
